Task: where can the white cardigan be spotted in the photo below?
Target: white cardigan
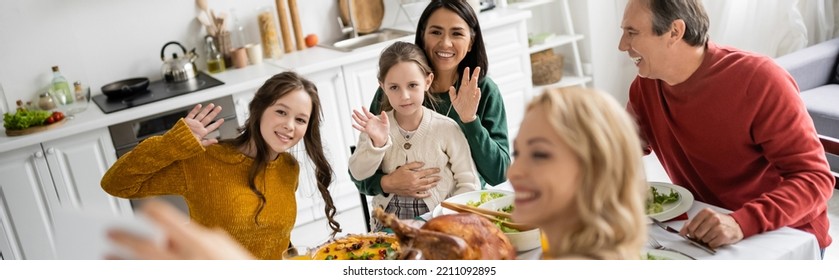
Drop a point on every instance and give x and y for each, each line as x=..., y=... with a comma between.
x=438, y=142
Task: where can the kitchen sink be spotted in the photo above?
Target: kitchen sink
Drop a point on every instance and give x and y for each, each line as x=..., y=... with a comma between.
x=383, y=35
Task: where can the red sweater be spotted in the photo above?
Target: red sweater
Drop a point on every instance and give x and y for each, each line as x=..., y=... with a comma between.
x=737, y=135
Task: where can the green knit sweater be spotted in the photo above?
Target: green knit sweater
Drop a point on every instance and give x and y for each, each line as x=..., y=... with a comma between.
x=487, y=135
x=214, y=183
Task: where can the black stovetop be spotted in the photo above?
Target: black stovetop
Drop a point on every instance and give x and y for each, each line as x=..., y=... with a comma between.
x=157, y=90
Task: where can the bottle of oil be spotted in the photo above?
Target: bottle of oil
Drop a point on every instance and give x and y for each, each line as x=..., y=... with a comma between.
x=215, y=61
x=60, y=88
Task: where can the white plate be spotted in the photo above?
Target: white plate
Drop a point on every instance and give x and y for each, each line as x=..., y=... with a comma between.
x=663, y=255
x=462, y=199
x=672, y=210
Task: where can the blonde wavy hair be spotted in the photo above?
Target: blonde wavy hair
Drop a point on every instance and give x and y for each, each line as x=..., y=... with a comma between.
x=610, y=201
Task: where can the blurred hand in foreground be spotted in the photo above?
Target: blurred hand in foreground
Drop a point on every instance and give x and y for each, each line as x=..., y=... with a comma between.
x=183, y=241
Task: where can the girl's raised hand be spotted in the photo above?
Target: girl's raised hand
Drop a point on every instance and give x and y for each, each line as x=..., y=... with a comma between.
x=465, y=101
x=376, y=127
x=200, y=122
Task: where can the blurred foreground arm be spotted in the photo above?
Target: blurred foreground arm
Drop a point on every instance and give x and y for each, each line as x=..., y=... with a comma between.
x=187, y=241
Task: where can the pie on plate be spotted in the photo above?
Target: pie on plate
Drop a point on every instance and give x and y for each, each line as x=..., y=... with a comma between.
x=373, y=246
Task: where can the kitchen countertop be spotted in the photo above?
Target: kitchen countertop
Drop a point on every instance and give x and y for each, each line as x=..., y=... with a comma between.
x=93, y=118
x=235, y=80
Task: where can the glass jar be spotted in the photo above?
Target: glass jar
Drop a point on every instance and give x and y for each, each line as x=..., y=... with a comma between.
x=59, y=85
x=215, y=60
x=268, y=33
x=45, y=101
x=237, y=32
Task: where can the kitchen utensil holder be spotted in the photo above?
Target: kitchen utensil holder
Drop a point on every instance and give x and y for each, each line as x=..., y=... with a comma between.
x=223, y=42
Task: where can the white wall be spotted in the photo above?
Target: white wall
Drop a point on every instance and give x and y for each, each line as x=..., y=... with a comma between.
x=613, y=70
x=102, y=41
x=599, y=21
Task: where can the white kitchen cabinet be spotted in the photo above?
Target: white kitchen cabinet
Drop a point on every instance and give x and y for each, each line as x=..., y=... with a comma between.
x=335, y=130
x=42, y=180
x=25, y=190
x=77, y=164
x=5, y=246
x=361, y=84
x=509, y=67
x=5, y=225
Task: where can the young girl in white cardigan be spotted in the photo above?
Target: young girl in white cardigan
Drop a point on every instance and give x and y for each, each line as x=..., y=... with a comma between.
x=419, y=134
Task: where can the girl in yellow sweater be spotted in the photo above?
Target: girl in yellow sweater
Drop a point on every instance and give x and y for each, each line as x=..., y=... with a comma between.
x=246, y=185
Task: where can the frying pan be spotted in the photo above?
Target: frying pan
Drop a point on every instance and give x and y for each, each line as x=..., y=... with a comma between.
x=125, y=88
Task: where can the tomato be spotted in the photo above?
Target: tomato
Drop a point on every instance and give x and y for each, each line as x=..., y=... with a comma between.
x=50, y=120
x=311, y=40
x=57, y=116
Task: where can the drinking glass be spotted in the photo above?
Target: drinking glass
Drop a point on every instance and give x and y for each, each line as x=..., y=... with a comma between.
x=298, y=253
x=82, y=101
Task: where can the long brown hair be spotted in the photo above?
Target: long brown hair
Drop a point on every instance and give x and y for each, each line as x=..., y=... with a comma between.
x=274, y=88
x=404, y=52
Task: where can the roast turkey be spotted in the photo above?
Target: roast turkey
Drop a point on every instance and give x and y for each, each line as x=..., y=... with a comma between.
x=461, y=236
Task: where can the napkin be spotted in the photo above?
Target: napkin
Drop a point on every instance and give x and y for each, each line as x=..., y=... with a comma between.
x=683, y=216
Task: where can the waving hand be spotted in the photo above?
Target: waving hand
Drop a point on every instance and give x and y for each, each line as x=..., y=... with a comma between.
x=465, y=101
x=200, y=122
x=376, y=127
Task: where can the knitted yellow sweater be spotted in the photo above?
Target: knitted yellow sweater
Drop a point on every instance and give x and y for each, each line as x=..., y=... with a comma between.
x=214, y=184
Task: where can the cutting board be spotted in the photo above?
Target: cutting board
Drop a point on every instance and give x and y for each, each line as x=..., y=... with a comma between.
x=368, y=14
x=35, y=129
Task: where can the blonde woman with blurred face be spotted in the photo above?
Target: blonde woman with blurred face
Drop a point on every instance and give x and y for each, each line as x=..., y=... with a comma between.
x=578, y=175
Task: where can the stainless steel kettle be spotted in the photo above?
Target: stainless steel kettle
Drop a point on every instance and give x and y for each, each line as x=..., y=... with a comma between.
x=177, y=69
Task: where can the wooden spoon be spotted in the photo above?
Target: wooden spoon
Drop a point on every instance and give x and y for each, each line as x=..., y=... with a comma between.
x=202, y=4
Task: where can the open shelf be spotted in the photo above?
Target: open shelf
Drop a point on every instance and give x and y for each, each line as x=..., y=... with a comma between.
x=555, y=41
x=527, y=4
x=566, y=81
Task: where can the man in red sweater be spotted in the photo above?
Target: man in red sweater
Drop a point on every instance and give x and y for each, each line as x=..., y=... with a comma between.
x=726, y=124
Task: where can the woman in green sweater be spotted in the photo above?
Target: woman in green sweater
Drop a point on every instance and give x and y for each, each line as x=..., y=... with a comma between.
x=245, y=186
x=449, y=33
